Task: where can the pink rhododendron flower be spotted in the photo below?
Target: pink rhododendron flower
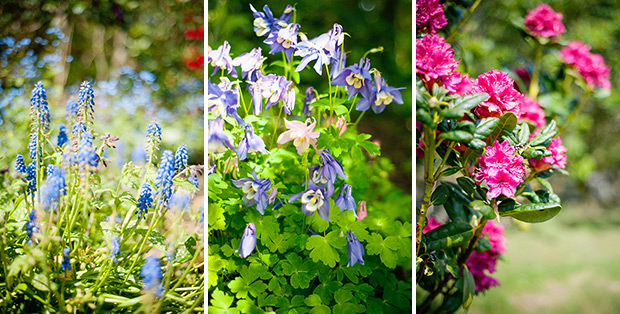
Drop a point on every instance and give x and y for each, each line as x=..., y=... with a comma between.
x=531, y=111
x=300, y=133
x=479, y=263
x=464, y=84
x=590, y=66
x=431, y=224
x=435, y=62
x=429, y=16
x=501, y=169
x=558, y=156
x=361, y=210
x=544, y=22
x=503, y=96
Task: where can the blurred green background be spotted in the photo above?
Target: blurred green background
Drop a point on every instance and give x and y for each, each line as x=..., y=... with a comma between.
x=370, y=23
x=571, y=263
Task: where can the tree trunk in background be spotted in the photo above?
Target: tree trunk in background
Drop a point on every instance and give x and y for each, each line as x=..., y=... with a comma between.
x=119, y=53
x=99, y=52
x=60, y=79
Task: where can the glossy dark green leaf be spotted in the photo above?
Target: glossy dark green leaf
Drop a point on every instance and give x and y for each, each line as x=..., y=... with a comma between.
x=545, y=134
x=486, y=210
x=450, y=171
x=524, y=133
x=485, y=127
x=468, y=184
x=440, y=195
x=453, y=233
x=534, y=212
x=508, y=121
x=476, y=144
x=424, y=117
x=535, y=153
x=468, y=102
x=467, y=126
x=469, y=288
x=483, y=244
x=457, y=136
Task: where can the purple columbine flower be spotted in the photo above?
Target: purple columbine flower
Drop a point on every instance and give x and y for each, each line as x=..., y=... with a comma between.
x=314, y=49
x=356, y=78
x=381, y=96
x=222, y=102
x=270, y=87
x=265, y=23
x=310, y=98
x=319, y=181
x=331, y=167
x=255, y=191
x=251, y=142
x=356, y=250
x=345, y=200
x=250, y=63
x=312, y=200
x=217, y=140
x=284, y=39
x=248, y=241
x=220, y=59
x=289, y=99
x=336, y=39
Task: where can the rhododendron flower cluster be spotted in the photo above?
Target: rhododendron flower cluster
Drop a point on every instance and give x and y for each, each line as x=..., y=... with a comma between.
x=501, y=169
x=429, y=16
x=432, y=224
x=531, y=111
x=503, y=96
x=558, y=156
x=590, y=66
x=544, y=22
x=481, y=262
x=435, y=62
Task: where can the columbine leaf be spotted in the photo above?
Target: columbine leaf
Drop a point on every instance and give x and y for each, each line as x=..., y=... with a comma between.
x=322, y=250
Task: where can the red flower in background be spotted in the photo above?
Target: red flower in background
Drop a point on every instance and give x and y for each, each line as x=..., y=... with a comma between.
x=195, y=33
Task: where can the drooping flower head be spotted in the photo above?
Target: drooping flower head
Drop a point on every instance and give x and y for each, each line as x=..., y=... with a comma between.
x=165, y=173
x=284, y=39
x=345, y=200
x=309, y=99
x=381, y=96
x=86, y=100
x=288, y=98
x=255, y=191
x=20, y=166
x=265, y=23
x=481, y=264
x=300, y=133
x=356, y=78
x=220, y=59
x=361, y=210
x=31, y=226
x=501, y=169
x=356, y=249
x=557, y=158
x=331, y=168
x=435, y=62
x=115, y=248
x=218, y=142
x=312, y=200
x=590, y=66
x=248, y=241
x=222, y=102
x=145, y=201
x=53, y=188
x=151, y=274
x=180, y=158
x=531, y=111
x=271, y=87
x=39, y=111
x=62, y=136
x=503, y=96
x=250, y=63
x=544, y=22
x=429, y=16
x=66, y=259
x=250, y=143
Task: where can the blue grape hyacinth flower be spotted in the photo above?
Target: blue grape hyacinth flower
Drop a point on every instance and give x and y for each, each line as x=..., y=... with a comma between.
x=255, y=191
x=251, y=142
x=66, y=259
x=345, y=200
x=145, y=201
x=248, y=241
x=115, y=248
x=31, y=178
x=163, y=178
x=39, y=107
x=31, y=226
x=86, y=99
x=62, y=135
x=180, y=158
x=86, y=155
x=356, y=250
x=53, y=188
x=20, y=166
x=151, y=274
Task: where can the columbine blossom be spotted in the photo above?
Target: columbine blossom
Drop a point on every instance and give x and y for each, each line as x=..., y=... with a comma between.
x=557, y=158
x=345, y=200
x=220, y=59
x=300, y=133
x=223, y=102
x=250, y=143
x=356, y=249
x=265, y=23
x=165, y=173
x=531, y=111
x=284, y=39
x=503, y=97
x=314, y=49
x=381, y=96
x=310, y=98
x=590, y=66
x=250, y=63
x=271, y=87
x=248, y=241
x=429, y=16
x=356, y=78
x=435, y=62
x=331, y=168
x=288, y=99
x=501, y=169
x=312, y=200
x=217, y=140
x=145, y=201
x=151, y=273
x=482, y=263
x=544, y=22
x=255, y=191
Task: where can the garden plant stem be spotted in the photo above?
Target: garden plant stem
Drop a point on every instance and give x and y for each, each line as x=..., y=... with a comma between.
x=464, y=20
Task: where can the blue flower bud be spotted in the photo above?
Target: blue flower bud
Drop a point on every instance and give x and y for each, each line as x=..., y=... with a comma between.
x=356, y=250
x=248, y=241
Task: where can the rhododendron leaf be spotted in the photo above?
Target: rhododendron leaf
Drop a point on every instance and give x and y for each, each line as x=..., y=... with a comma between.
x=535, y=153
x=450, y=171
x=450, y=234
x=483, y=244
x=546, y=134
x=440, y=195
x=457, y=136
x=467, y=126
x=468, y=184
x=508, y=121
x=545, y=183
x=485, y=127
x=477, y=144
x=469, y=287
x=486, y=210
x=424, y=117
x=523, y=133
x=468, y=102
x=532, y=213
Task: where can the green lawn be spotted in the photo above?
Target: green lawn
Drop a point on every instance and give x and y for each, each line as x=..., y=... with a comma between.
x=570, y=264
